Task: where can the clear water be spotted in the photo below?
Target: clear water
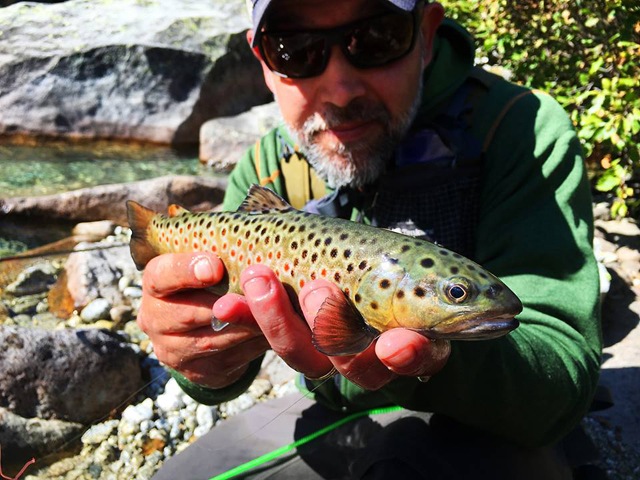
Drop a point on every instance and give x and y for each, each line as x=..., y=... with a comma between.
x=37, y=169
x=41, y=170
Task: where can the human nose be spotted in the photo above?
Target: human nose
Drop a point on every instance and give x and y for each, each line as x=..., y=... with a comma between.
x=341, y=82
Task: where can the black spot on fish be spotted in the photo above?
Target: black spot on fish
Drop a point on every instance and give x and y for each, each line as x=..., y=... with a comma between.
x=263, y=231
x=201, y=222
x=344, y=236
x=314, y=257
x=247, y=234
x=337, y=277
x=236, y=228
x=347, y=253
x=302, y=228
x=236, y=216
x=471, y=268
x=334, y=252
x=350, y=267
x=292, y=228
x=483, y=275
x=358, y=298
x=267, y=239
x=324, y=231
x=277, y=239
x=454, y=270
x=311, y=236
x=400, y=294
x=304, y=253
x=427, y=262
x=209, y=224
x=419, y=292
x=444, y=253
x=363, y=265
x=457, y=255
x=374, y=305
x=294, y=245
x=405, y=248
x=493, y=291
x=317, y=242
x=327, y=241
x=384, y=283
x=279, y=222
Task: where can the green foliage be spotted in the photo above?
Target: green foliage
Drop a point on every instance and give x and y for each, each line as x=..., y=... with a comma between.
x=584, y=52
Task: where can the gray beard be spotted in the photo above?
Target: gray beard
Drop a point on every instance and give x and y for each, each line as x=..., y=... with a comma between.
x=360, y=164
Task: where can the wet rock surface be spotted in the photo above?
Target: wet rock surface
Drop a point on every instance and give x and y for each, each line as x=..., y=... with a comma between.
x=153, y=74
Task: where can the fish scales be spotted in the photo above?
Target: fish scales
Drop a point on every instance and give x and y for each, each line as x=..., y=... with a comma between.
x=389, y=280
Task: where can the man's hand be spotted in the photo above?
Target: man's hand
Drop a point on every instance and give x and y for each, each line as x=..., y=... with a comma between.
x=176, y=313
x=396, y=352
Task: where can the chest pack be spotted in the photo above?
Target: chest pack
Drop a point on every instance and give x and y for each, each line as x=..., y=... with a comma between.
x=433, y=189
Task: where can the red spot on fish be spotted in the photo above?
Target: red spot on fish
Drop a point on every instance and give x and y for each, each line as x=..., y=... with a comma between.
x=195, y=245
x=278, y=255
x=233, y=253
x=301, y=283
x=204, y=241
x=239, y=242
x=224, y=231
x=240, y=257
x=214, y=248
x=181, y=230
x=212, y=233
x=286, y=267
x=313, y=275
x=251, y=247
x=270, y=255
x=323, y=272
x=258, y=259
x=224, y=246
x=175, y=242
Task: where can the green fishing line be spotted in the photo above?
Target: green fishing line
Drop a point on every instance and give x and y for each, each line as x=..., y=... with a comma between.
x=267, y=457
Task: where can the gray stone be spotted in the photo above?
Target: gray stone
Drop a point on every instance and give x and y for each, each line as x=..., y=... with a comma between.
x=22, y=438
x=152, y=70
x=224, y=140
x=73, y=375
x=34, y=279
x=95, y=310
x=95, y=274
x=108, y=202
x=121, y=314
x=98, y=229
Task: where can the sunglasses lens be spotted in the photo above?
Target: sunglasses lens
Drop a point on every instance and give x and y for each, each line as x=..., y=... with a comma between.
x=295, y=55
x=380, y=41
x=369, y=43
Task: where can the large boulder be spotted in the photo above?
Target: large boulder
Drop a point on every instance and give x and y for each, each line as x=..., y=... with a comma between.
x=73, y=375
x=108, y=202
x=125, y=69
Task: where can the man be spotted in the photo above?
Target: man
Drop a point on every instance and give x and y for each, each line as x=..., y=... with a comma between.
x=385, y=123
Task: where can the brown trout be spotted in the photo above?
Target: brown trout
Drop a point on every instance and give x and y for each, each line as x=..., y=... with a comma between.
x=389, y=280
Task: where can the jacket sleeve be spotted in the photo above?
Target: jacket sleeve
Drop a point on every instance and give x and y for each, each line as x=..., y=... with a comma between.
x=535, y=233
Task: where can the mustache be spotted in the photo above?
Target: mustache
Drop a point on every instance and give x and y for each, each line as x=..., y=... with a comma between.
x=332, y=116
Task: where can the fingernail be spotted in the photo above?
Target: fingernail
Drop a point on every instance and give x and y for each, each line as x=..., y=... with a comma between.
x=257, y=288
x=203, y=270
x=217, y=324
x=314, y=300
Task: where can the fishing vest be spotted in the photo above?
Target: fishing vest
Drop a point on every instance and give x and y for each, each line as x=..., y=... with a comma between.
x=433, y=189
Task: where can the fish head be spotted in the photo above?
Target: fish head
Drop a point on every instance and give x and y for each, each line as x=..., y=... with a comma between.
x=454, y=301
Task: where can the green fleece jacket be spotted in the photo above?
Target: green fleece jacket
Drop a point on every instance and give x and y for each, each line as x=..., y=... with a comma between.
x=534, y=232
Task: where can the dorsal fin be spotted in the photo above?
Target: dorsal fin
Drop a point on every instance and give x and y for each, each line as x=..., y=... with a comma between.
x=262, y=200
x=174, y=210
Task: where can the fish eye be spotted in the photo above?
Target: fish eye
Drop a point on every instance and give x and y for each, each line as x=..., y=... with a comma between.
x=457, y=292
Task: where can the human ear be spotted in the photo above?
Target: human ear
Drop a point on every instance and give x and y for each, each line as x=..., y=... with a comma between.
x=266, y=73
x=431, y=20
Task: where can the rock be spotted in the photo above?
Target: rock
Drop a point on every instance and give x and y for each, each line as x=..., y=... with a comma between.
x=109, y=201
x=23, y=438
x=98, y=230
x=95, y=274
x=77, y=376
x=121, y=314
x=100, y=432
x=35, y=279
x=97, y=309
x=125, y=69
x=224, y=140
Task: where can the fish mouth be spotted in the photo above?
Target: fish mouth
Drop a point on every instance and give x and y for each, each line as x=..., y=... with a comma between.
x=475, y=328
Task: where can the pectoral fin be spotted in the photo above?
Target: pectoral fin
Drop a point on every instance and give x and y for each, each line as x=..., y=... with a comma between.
x=340, y=329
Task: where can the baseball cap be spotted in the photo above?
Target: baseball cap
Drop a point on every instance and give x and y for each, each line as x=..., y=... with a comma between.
x=258, y=8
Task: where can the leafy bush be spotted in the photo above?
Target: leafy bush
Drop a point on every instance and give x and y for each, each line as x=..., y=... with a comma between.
x=585, y=53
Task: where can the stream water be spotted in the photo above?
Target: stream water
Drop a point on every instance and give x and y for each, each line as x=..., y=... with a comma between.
x=57, y=167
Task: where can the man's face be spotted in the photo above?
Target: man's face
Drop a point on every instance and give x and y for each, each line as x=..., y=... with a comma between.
x=348, y=120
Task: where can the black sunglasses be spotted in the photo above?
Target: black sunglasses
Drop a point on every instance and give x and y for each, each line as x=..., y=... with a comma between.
x=366, y=43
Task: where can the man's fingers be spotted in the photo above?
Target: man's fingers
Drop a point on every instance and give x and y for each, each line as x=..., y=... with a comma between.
x=287, y=333
x=408, y=353
x=170, y=273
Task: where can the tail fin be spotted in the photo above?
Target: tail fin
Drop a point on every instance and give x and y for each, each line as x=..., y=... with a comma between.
x=139, y=219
